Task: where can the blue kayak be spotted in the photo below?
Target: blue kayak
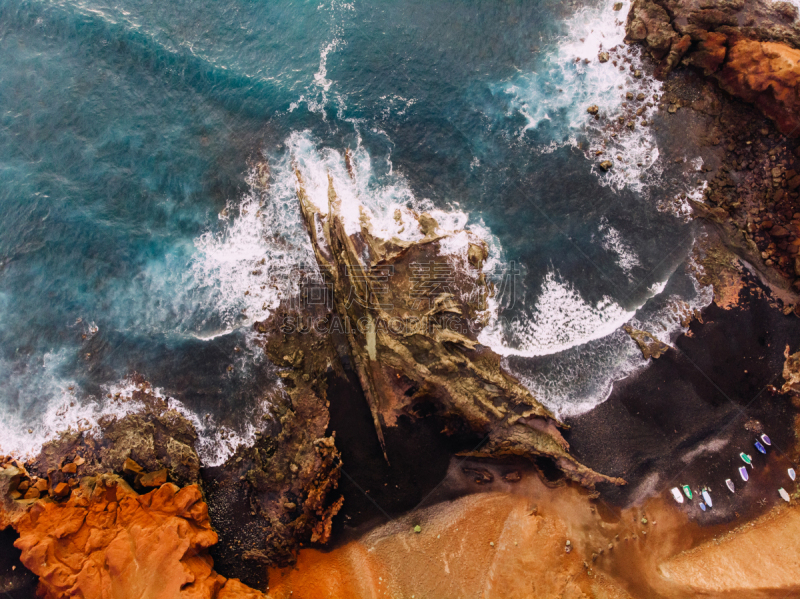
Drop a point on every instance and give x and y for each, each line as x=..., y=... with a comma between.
x=766, y=440
x=760, y=447
x=743, y=473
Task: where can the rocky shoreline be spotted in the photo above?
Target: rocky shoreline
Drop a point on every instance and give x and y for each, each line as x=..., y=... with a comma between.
x=131, y=512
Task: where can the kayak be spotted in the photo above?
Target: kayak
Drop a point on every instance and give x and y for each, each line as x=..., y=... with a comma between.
x=766, y=440
x=676, y=493
x=784, y=495
x=743, y=473
x=707, y=497
x=702, y=506
x=687, y=491
x=792, y=474
x=729, y=482
x=760, y=447
x=746, y=459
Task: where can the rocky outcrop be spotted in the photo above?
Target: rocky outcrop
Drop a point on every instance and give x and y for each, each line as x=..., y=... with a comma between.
x=156, y=437
x=108, y=541
x=750, y=48
x=650, y=346
x=766, y=74
x=281, y=490
x=791, y=372
x=413, y=341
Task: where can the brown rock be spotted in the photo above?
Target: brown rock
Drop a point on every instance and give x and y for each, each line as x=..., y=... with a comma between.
x=69, y=468
x=153, y=479
x=131, y=468
x=650, y=346
x=710, y=51
x=61, y=490
x=32, y=493
x=778, y=231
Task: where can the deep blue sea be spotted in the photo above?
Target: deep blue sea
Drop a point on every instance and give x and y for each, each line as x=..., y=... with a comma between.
x=147, y=191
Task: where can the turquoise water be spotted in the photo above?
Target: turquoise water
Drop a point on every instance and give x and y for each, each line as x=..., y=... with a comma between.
x=133, y=222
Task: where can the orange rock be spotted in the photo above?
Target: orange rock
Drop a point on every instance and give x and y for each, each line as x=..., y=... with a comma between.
x=40, y=485
x=61, y=489
x=153, y=479
x=108, y=542
x=69, y=469
x=32, y=493
x=131, y=467
x=766, y=74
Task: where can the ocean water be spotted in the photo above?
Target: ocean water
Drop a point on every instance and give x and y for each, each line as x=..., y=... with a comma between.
x=148, y=196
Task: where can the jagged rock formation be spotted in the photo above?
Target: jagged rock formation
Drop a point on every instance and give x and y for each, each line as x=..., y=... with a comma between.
x=413, y=341
x=750, y=48
x=108, y=541
x=650, y=346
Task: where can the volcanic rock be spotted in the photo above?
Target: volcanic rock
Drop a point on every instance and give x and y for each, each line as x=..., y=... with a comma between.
x=415, y=344
x=650, y=346
x=108, y=542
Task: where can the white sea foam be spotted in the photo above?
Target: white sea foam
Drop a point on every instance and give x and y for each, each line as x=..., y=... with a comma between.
x=570, y=79
x=559, y=320
x=67, y=411
x=613, y=242
x=582, y=377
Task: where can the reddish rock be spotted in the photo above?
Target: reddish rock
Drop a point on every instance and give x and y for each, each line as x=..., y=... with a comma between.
x=108, y=542
x=61, y=489
x=766, y=74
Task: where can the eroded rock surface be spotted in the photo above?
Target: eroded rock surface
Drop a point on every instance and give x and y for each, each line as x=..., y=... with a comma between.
x=107, y=541
x=413, y=341
x=650, y=346
x=791, y=372
x=750, y=48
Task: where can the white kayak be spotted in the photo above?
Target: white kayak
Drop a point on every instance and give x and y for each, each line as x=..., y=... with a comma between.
x=676, y=493
x=707, y=497
x=743, y=473
x=729, y=482
x=784, y=495
x=792, y=474
x=766, y=440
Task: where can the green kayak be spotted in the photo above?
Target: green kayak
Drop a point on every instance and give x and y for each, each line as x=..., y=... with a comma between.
x=746, y=458
x=688, y=491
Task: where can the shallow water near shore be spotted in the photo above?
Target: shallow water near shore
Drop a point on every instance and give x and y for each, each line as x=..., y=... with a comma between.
x=149, y=206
